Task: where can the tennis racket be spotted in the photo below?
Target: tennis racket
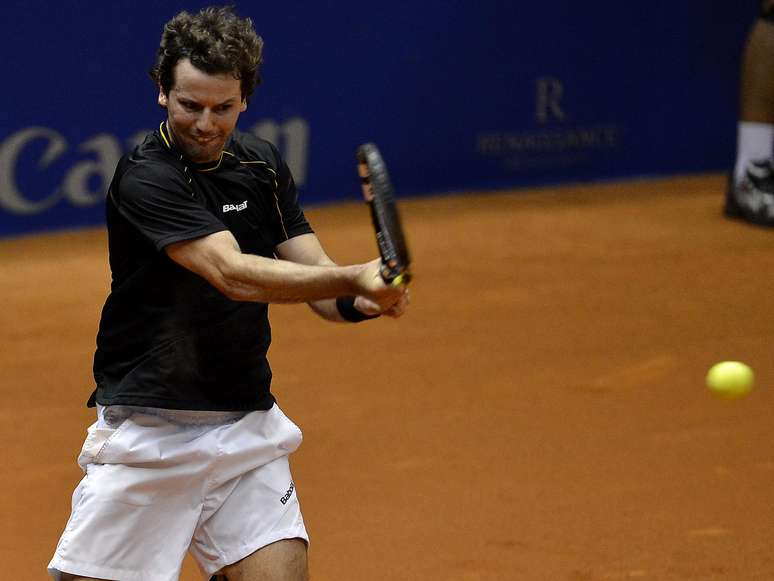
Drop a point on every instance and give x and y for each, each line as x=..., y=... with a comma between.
x=380, y=197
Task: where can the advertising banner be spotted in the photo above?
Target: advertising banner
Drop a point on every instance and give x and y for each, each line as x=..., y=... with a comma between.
x=459, y=95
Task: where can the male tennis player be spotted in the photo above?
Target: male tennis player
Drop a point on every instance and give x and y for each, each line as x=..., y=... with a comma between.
x=190, y=451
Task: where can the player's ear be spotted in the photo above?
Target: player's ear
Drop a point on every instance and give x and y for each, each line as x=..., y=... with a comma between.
x=243, y=107
x=163, y=98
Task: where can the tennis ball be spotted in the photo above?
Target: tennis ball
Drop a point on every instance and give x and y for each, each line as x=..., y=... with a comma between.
x=730, y=379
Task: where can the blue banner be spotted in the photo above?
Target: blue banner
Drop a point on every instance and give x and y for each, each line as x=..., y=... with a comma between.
x=460, y=95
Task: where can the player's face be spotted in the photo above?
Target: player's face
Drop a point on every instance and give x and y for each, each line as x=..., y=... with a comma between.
x=202, y=111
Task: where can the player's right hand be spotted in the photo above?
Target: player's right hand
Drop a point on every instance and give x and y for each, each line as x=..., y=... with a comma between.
x=368, y=307
x=373, y=287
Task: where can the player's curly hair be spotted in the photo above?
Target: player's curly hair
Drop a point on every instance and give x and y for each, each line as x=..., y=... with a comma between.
x=216, y=41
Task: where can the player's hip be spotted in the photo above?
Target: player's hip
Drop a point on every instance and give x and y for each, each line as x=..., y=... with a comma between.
x=226, y=443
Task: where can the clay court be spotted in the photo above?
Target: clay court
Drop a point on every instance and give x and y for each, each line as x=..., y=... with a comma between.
x=540, y=413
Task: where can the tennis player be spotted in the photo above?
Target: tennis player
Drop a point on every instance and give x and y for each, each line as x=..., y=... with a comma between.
x=190, y=450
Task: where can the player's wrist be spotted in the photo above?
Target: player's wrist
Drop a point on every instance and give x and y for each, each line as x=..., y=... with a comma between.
x=349, y=312
x=362, y=280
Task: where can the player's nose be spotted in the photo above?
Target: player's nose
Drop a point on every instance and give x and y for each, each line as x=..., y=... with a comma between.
x=204, y=123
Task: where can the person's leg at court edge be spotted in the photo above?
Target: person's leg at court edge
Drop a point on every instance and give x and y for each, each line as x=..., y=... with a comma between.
x=750, y=194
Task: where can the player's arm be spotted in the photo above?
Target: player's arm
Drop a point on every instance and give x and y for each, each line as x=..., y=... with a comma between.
x=306, y=249
x=246, y=277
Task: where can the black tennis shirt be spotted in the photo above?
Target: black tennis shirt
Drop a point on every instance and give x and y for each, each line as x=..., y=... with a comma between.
x=167, y=338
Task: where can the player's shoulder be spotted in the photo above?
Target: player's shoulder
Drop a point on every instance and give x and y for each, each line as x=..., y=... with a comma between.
x=249, y=148
x=156, y=150
x=147, y=167
x=152, y=158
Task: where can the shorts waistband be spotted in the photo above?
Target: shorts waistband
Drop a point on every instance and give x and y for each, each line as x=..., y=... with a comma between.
x=115, y=414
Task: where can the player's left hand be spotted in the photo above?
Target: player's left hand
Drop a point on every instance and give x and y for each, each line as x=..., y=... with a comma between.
x=368, y=307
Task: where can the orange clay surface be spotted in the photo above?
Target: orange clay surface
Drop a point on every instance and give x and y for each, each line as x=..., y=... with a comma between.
x=540, y=413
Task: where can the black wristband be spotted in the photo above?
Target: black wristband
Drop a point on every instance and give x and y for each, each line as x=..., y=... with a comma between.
x=348, y=312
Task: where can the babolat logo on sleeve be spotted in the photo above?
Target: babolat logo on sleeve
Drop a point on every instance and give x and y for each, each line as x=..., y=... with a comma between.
x=234, y=207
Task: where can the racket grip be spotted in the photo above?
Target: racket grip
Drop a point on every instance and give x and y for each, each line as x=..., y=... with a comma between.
x=402, y=278
x=395, y=275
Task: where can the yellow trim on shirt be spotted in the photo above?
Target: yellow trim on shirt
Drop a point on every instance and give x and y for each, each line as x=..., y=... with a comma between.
x=164, y=137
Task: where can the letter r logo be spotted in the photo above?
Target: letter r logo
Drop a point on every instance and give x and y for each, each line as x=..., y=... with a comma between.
x=548, y=96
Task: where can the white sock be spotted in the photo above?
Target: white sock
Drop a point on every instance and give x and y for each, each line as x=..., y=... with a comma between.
x=754, y=141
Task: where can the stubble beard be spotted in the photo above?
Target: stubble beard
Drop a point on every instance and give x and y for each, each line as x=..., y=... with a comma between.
x=198, y=152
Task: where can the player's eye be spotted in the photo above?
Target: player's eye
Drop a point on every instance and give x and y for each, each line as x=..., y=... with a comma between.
x=223, y=108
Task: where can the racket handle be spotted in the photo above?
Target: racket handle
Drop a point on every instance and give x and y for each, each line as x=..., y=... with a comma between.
x=389, y=276
x=402, y=278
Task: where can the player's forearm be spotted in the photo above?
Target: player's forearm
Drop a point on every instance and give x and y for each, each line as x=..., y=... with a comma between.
x=255, y=278
x=327, y=310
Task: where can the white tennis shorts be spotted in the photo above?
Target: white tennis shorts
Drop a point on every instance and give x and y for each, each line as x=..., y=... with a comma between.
x=159, y=483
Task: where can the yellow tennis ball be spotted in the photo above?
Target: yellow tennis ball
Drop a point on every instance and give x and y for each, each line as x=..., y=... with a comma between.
x=730, y=379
